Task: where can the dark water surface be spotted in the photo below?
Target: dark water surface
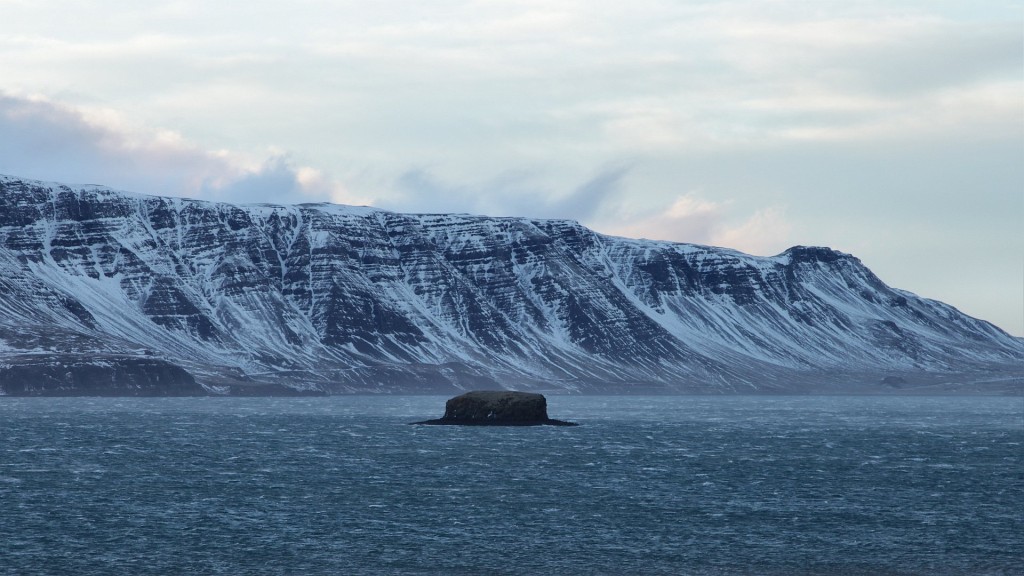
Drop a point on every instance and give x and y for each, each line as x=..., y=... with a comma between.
x=646, y=485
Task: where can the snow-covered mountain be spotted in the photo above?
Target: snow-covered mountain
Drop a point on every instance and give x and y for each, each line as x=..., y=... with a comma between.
x=106, y=292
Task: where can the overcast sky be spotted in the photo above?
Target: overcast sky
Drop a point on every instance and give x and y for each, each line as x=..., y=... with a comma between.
x=890, y=129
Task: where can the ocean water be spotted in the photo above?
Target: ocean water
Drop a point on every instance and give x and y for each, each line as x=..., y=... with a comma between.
x=645, y=485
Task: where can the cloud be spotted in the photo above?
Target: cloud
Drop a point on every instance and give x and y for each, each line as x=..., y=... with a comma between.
x=605, y=203
x=476, y=90
x=765, y=232
x=519, y=193
x=46, y=140
x=743, y=74
x=693, y=219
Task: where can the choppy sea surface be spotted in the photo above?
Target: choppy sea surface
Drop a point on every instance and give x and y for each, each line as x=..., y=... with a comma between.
x=645, y=485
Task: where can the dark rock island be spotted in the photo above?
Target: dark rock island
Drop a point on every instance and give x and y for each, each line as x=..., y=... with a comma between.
x=497, y=408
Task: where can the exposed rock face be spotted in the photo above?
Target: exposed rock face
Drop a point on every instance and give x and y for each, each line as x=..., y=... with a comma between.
x=72, y=375
x=497, y=408
x=331, y=299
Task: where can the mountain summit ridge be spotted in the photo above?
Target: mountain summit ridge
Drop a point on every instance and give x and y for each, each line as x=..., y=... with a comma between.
x=323, y=298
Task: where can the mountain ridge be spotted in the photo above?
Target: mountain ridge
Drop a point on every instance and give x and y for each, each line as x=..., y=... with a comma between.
x=324, y=298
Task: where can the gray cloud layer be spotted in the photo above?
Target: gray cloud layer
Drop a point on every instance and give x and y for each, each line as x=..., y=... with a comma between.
x=48, y=141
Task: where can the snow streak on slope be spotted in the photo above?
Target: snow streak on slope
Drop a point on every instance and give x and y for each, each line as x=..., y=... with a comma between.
x=342, y=298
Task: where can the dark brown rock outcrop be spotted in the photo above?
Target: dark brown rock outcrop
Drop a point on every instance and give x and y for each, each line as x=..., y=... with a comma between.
x=497, y=408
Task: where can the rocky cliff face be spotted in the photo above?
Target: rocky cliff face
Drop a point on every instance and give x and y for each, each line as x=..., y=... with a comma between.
x=326, y=298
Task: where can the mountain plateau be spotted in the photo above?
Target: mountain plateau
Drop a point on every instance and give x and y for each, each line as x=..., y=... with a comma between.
x=107, y=292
